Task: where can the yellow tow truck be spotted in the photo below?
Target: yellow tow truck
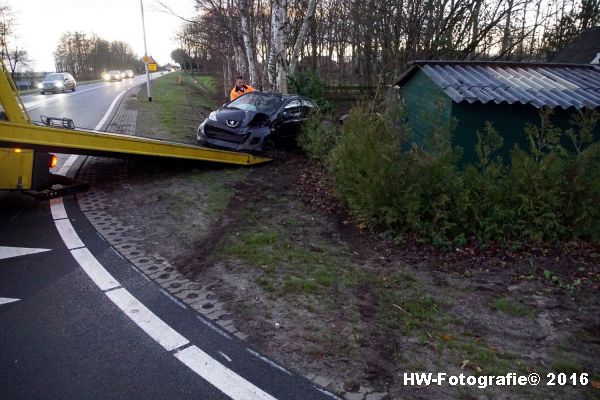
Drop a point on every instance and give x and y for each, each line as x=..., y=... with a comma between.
x=25, y=147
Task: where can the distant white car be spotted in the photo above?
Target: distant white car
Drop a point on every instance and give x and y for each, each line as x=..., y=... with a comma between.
x=113, y=75
x=128, y=73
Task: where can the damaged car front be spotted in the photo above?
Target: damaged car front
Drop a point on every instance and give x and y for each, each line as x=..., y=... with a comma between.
x=253, y=122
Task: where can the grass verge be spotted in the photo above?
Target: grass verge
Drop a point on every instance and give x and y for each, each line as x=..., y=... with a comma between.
x=180, y=102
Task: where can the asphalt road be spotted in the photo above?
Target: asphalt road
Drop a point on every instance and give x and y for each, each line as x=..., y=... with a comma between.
x=61, y=336
x=85, y=106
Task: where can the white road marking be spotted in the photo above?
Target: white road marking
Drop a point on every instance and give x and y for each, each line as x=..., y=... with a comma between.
x=225, y=356
x=57, y=208
x=110, y=108
x=173, y=298
x=214, y=328
x=265, y=359
x=68, y=234
x=220, y=376
x=327, y=393
x=10, y=252
x=6, y=300
x=154, y=327
x=67, y=165
x=101, y=277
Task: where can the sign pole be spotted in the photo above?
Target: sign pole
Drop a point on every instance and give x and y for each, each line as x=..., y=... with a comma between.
x=146, y=54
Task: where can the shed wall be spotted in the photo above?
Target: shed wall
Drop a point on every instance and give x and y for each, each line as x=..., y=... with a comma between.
x=426, y=104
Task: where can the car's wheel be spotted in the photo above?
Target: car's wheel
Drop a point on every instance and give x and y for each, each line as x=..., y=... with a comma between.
x=42, y=92
x=74, y=87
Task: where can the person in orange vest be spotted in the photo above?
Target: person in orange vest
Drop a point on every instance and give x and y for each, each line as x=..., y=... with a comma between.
x=240, y=88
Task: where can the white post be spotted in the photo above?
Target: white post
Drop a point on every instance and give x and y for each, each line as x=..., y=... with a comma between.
x=146, y=53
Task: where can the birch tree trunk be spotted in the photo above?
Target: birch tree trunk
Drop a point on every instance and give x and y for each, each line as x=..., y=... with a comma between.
x=248, y=48
x=506, y=36
x=310, y=13
x=281, y=47
x=272, y=63
x=277, y=57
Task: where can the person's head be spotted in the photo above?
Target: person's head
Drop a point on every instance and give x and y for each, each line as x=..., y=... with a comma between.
x=240, y=81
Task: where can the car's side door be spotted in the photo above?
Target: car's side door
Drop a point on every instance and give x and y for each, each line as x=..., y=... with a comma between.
x=290, y=118
x=70, y=81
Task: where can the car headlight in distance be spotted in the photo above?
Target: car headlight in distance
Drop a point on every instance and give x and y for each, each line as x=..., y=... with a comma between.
x=212, y=116
x=40, y=85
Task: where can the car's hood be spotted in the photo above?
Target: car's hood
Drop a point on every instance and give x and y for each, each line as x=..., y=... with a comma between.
x=236, y=118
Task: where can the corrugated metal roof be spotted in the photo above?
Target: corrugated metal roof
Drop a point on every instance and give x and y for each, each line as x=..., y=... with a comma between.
x=550, y=85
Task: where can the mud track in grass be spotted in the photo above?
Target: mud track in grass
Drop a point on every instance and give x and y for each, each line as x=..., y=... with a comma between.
x=326, y=299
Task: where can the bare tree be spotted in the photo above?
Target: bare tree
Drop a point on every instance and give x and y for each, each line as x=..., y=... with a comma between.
x=16, y=57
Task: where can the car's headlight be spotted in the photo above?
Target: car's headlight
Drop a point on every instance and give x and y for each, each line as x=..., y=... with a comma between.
x=212, y=116
x=58, y=84
x=40, y=85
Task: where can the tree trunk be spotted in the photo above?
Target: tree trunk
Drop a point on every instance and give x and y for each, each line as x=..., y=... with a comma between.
x=312, y=4
x=506, y=39
x=277, y=59
x=247, y=39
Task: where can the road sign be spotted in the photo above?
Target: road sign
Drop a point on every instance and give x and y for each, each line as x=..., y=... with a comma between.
x=148, y=59
x=152, y=67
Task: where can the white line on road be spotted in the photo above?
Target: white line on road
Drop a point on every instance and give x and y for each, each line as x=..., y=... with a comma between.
x=10, y=252
x=271, y=363
x=225, y=356
x=68, y=234
x=154, y=327
x=101, y=277
x=220, y=376
x=67, y=165
x=110, y=108
x=57, y=208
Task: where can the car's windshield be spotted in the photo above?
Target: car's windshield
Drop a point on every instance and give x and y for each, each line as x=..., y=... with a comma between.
x=53, y=77
x=113, y=72
x=260, y=102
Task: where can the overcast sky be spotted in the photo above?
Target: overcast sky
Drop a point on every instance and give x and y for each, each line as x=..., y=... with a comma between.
x=41, y=22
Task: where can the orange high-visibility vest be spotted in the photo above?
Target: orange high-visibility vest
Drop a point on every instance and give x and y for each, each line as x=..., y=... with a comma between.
x=235, y=92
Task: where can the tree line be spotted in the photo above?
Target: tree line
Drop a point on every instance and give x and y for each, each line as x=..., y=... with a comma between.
x=88, y=56
x=14, y=55
x=368, y=42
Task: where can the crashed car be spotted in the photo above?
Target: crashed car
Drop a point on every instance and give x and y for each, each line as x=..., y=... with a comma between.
x=255, y=122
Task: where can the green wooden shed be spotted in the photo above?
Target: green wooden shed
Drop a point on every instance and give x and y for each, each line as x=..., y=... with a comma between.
x=507, y=94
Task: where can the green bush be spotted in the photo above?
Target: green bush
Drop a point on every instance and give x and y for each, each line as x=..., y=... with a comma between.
x=318, y=136
x=544, y=193
x=308, y=83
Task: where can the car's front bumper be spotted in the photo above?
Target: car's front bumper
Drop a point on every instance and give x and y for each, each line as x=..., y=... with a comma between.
x=52, y=88
x=217, y=135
